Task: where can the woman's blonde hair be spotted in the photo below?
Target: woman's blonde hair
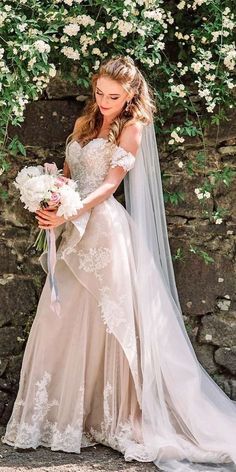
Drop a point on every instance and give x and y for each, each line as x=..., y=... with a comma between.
x=141, y=108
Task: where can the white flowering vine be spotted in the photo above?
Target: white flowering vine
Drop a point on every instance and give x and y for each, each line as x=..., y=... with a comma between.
x=62, y=34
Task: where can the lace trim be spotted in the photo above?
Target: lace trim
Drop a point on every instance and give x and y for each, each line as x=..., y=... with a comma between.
x=43, y=432
x=94, y=260
x=122, y=158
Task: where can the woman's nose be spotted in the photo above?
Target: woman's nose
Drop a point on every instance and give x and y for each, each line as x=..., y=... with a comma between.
x=104, y=101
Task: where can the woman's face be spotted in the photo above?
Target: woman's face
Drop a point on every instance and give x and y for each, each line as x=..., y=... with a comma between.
x=110, y=96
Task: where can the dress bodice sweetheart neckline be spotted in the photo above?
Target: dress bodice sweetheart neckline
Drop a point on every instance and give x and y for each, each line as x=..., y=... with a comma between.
x=100, y=139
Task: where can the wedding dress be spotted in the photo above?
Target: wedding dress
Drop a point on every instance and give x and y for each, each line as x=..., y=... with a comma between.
x=106, y=371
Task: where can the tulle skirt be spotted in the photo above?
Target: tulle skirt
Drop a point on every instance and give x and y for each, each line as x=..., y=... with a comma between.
x=117, y=367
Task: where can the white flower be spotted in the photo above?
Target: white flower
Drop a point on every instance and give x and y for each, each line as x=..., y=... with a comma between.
x=176, y=137
x=179, y=89
x=71, y=29
x=25, y=47
x=181, y=5
x=156, y=15
x=211, y=107
x=207, y=194
x=196, y=66
x=218, y=221
x=96, y=65
x=85, y=20
x=215, y=35
x=204, y=93
x=52, y=71
x=3, y=17
x=26, y=173
x=22, y=27
x=70, y=201
x=41, y=46
x=200, y=196
x=124, y=27
x=96, y=51
x=35, y=190
x=180, y=164
x=230, y=85
x=70, y=53
x=31, y=62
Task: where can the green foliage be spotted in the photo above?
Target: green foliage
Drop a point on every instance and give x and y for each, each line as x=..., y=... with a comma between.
x=180, y=256
x=173, y=197
x=202, y=254
x=186, y=51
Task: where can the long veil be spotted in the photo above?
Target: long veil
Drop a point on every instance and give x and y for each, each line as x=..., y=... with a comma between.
x=189, y=423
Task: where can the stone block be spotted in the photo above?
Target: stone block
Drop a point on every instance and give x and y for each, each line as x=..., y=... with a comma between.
x=226, y=357
x=18, y=298
x=219, y=330
x=47, y=122
x=8, y=259
x=205, y=355
x=200, y=284
x=9, y=344
x=3, y=366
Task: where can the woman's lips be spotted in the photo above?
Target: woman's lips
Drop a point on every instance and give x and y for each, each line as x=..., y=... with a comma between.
x=104, y=108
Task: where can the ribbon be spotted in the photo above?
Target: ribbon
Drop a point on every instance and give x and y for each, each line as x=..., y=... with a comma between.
x=51, y=261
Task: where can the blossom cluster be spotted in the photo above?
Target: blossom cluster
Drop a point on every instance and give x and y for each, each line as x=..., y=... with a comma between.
x=63, y=35
x=43, y=185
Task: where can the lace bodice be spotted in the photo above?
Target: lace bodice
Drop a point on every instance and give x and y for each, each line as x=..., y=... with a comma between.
x=90, y=164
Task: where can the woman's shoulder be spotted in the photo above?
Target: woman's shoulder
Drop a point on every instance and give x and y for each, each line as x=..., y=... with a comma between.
x=134, y=125
x=132, y=130
x=131, y=136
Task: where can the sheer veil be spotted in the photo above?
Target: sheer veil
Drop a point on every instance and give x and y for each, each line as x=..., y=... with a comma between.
x=144, y=201
x=189, y=423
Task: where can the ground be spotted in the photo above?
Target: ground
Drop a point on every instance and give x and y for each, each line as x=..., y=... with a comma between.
x=42, y=459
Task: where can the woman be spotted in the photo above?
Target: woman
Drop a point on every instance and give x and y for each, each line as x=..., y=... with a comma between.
x=117, y=367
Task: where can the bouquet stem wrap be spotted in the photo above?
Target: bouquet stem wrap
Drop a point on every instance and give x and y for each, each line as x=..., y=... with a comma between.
x=51, y=260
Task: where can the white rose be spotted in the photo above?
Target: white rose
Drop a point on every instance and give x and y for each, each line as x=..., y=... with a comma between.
x=26, y=173
x=35, y=190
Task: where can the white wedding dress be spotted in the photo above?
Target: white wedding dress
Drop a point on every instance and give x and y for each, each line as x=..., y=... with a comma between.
x=88, y=377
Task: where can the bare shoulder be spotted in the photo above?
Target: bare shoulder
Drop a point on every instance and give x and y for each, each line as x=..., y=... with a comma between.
x=131, y=136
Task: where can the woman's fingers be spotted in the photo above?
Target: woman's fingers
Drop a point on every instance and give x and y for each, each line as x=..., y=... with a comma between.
x=48, y=218
x=46, y=215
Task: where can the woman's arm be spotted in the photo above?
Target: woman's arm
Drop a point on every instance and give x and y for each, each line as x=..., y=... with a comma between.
x=130, y=141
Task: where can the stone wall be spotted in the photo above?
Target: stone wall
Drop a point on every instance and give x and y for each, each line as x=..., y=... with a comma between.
x=206, y=291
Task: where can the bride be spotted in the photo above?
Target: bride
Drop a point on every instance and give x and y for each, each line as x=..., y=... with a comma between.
x=117, y=367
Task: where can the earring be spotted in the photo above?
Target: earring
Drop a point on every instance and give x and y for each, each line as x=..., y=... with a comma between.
x=127, y=108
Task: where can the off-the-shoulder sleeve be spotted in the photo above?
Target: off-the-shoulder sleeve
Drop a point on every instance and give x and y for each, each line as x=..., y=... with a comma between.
x=123, y=158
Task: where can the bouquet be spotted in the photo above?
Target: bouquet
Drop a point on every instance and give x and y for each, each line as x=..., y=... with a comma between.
x=44, y=186
x=41, y=187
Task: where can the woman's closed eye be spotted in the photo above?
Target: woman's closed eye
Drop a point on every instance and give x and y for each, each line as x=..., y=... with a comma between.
x=113, y=98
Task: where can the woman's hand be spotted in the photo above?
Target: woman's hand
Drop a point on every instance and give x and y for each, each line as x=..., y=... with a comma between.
x=48, y=218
